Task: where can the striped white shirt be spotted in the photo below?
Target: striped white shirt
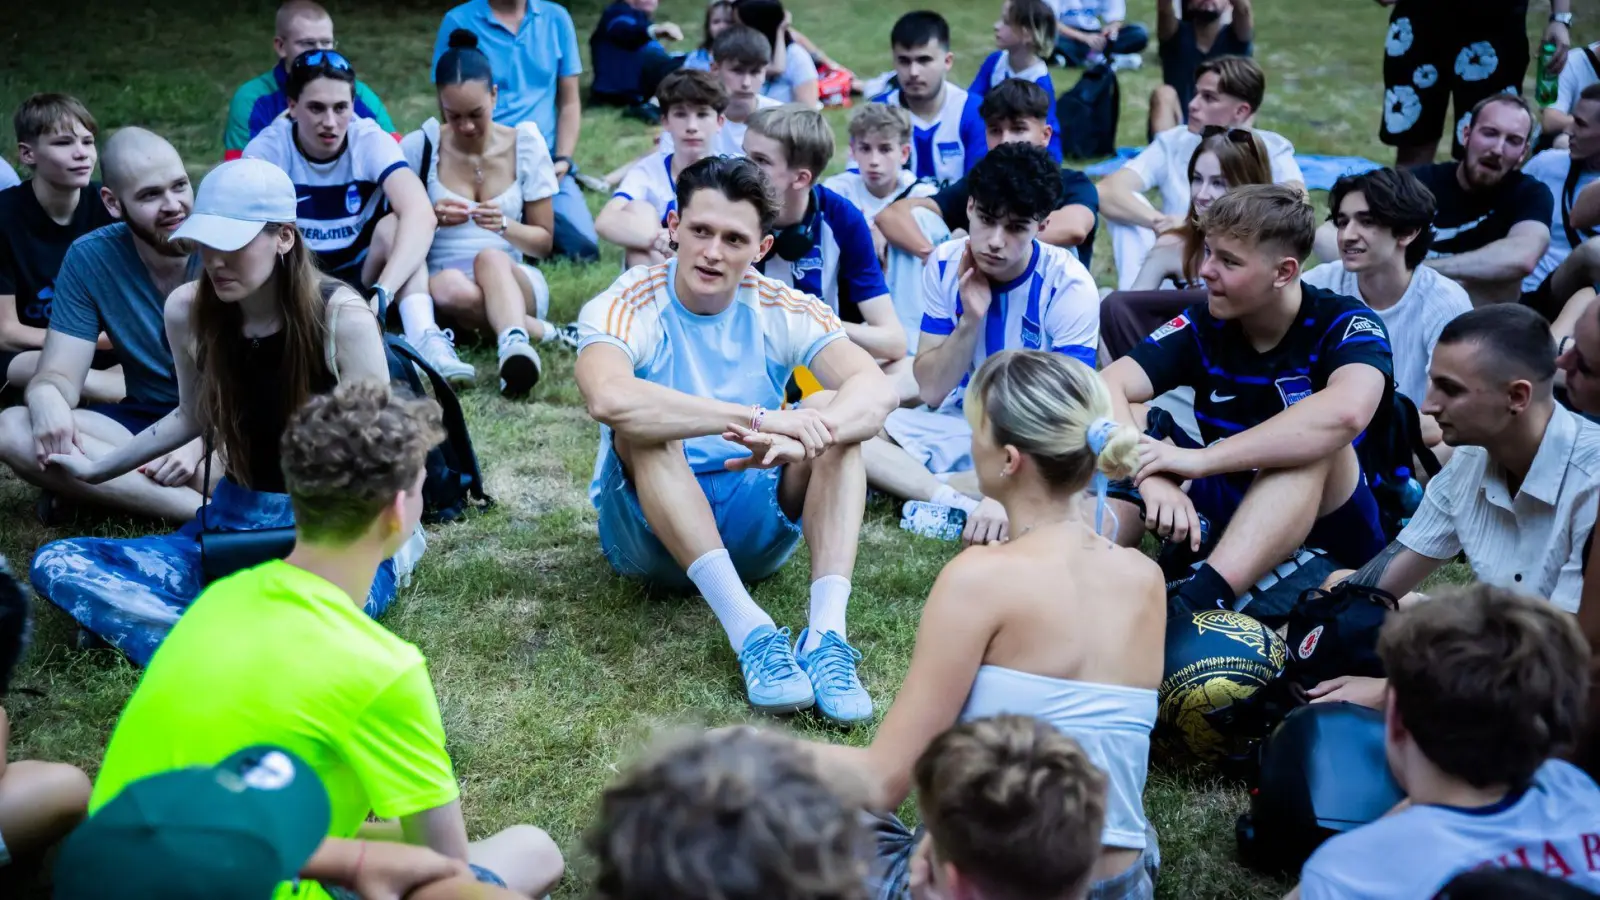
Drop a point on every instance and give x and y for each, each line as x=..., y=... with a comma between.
x=1531, y=542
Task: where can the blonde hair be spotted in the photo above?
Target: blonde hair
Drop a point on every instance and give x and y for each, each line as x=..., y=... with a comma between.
x=1046, y=405
x=806, y=138
x=1034, y=20
x=873, y=118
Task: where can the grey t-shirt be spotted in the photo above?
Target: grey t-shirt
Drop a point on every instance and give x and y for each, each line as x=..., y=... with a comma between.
x=104, y=286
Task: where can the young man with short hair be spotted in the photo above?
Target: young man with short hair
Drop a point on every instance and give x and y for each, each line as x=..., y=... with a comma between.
x=999, y=288
x=1572, y=261
x=1197, y=36
x=736, y=814
x=288, y=658
x=39, y=220
x=1385, y=224
x=1581, y=71
x=1011, y=807
x=880, y=145
x=1486, y=689
x=1286, y=377
x=684, y=364
x=823, y=245
x=947, y=136
x=739, y=59
x=635, y=218
x=1228, y=93
x=1493, y=224
x=114, y=280
x=533, y=51
x=912, y=226
x=300, y=25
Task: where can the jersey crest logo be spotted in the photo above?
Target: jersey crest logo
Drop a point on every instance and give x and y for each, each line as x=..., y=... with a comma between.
x=949, y=149
x=1309, y=645
x=1361, y=325
x=1173, y=326
x=352, y=199
x=1293, y=389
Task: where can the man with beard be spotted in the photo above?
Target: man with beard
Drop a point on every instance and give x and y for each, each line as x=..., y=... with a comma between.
x=1198, y=36
x=114, y=279
x=1493, y=224
x=1573, y=261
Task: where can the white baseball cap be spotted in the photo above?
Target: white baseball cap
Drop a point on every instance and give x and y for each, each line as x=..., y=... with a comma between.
x=235, y=201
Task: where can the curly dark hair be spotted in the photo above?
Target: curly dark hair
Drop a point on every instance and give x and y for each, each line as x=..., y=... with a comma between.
x=1489, y=683
x=733, y=815
x=1397, y=201
x=348, y=453
x=1015, y=181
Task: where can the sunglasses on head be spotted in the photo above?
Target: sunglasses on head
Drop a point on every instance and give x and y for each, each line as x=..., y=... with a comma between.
x=316, y=59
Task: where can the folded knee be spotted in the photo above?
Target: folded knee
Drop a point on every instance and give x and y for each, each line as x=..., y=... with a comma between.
x=491, y=259
x=1164, y=95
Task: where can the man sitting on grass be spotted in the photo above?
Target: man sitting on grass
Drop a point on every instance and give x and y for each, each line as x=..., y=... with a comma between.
x=947, y=136
x=635, y=218
x=282, y=653
x=735, y=814
x=1001, y=288
x=1286, y=376
x=880, y=150
x=300, y=25
x=1486, y=689
x=739, y=59
x=702, y=478
x=912, y=226
x=1518, y=496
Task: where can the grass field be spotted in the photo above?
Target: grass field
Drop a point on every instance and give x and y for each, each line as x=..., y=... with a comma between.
x=550, y=671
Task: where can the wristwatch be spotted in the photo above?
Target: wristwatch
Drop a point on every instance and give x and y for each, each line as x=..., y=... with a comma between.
x=1562, y=18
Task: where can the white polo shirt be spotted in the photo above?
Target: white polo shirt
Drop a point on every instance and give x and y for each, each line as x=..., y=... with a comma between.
x=1531, y=542
x=1164, y=165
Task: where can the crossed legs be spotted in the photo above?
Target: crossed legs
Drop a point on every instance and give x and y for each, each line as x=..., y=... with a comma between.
x=498, y=296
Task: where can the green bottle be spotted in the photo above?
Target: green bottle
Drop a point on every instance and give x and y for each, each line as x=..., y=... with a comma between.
x=1546, y=87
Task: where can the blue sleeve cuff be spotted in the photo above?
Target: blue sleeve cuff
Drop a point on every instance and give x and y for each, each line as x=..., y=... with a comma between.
x=1085, y=355
x=930, y=325
x=398, y=164
x=819, y=343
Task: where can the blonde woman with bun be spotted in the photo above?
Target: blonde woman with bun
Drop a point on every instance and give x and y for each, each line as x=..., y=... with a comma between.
x=1057, y=622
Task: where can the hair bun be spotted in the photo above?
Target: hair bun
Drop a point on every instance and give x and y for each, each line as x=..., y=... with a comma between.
x=462, y=37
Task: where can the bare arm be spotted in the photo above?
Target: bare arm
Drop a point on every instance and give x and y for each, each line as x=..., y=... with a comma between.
x=942, y=359
x=358, y=341
x=631, y=224
x=1556, y=122
x=569, y=120
x=880, y=333
x=1511, y=258
x=807, y=93
x=1164, y=261
x=13, y=334
x=441, y=829
x=1244, y=20
x=1586, y=207
x=535, y=234
x=865, y=396
x=1122, y=200
x=63, y=366
x=383, y=870
x=950, y=645
x=1166, y=20
x=1068, y=226
x=898, y=225
x=1397, y=569
x=414, y=234
x=1128, y=384
x=644, y=411
x=1307, y=431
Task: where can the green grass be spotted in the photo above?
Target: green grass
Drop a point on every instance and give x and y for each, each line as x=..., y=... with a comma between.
x=550, y=671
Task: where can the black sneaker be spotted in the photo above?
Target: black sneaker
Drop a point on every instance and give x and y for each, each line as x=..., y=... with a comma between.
x=648, y=113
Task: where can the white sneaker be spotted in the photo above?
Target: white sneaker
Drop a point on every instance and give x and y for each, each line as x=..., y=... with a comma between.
x=519, y=363
x=1126, y=62
x=439, y=349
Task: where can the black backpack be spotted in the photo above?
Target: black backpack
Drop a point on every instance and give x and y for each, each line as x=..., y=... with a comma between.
x=1088, y=114
x=453, y=482
x=1387, y=451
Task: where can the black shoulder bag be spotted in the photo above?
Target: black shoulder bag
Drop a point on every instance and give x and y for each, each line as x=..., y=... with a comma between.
x=223, y=553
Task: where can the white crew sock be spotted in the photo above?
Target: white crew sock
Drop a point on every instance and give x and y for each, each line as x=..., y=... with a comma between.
x=830, y=594
x=949, y=496
x=416, y=317
x=547, y=331
x=719, y=583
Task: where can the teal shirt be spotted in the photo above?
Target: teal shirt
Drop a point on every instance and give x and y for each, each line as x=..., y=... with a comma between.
x=260, y=100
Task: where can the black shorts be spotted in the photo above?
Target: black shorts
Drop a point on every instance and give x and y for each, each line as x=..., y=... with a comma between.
x=135, y=417
x=1433, y=55
x=103, y=359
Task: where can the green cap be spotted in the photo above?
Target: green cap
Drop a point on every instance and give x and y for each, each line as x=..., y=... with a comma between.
x=234, y=830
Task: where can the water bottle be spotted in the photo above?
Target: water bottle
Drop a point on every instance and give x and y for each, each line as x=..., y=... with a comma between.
x=1545, y=88
x=933, y=520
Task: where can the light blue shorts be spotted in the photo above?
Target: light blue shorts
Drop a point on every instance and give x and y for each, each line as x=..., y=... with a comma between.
x=760, y=538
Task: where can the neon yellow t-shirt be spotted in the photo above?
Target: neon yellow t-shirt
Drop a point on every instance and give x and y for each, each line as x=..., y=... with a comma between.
x=277, y=655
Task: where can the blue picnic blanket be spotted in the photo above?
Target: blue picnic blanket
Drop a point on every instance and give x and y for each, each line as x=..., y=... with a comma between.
x=1320, y=171
x=130, y=591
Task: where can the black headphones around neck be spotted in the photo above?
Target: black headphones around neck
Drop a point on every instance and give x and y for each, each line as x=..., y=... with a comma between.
x=793, y=242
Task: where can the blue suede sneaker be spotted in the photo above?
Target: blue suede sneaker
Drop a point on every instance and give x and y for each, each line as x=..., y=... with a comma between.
x=832, y=670
x=772, y=679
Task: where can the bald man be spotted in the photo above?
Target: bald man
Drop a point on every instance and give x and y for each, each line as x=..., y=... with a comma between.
x=301, y=25
x=114, y=279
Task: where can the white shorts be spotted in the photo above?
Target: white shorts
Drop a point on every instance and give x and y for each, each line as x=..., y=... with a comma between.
x=939, y=439
x=541, y=289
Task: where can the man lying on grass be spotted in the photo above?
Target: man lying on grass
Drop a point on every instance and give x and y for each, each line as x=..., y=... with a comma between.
x=702, y=478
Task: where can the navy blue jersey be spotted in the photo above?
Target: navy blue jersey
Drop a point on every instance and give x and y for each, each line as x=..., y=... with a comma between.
x=1235, y=387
